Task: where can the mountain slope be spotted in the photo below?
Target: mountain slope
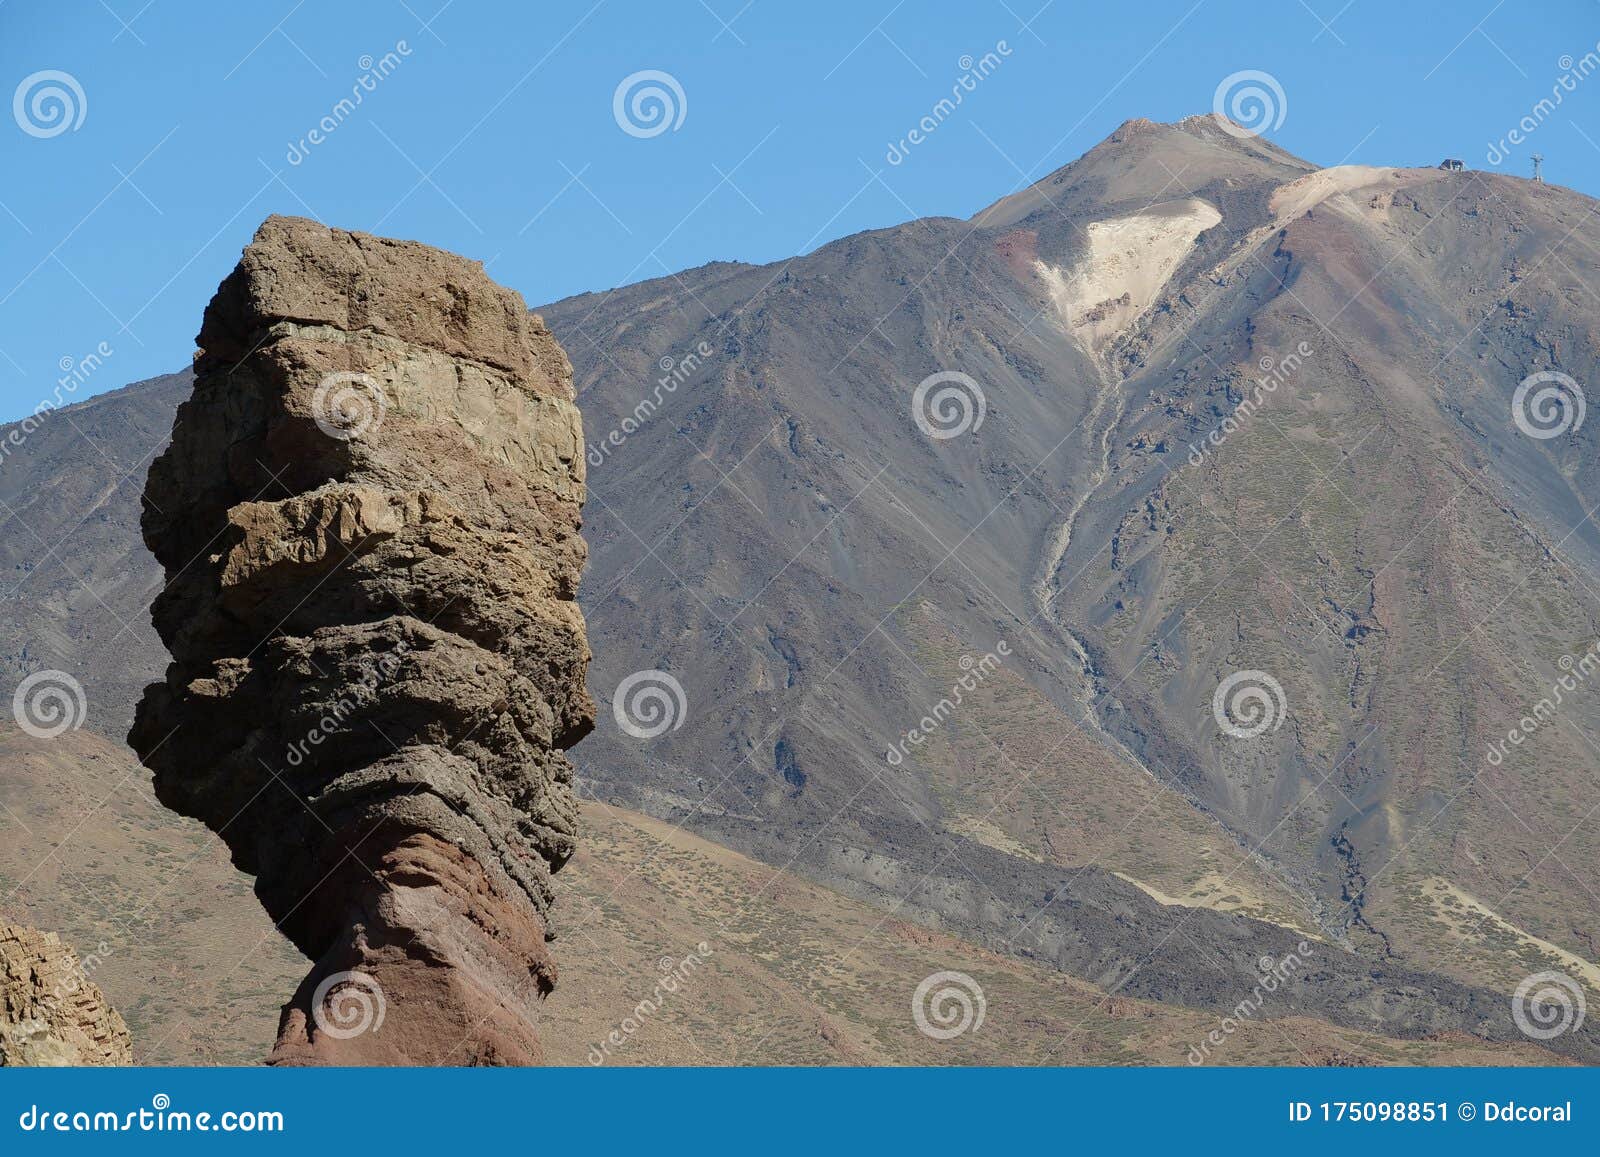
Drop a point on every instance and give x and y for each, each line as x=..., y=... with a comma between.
x=790, y=545
x=797, y=975
x=78, y=580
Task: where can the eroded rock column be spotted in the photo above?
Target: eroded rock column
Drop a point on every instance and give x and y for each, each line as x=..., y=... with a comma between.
x=369, y=519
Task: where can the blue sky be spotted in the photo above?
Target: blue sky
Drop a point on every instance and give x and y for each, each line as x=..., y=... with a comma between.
x=492, y=131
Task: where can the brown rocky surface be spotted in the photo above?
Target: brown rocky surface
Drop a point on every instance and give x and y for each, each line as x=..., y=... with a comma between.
x=796, y=973
x=51, y=1013
x=368, y=517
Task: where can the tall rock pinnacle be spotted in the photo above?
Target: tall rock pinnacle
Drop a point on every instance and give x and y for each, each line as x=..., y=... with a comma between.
x=369, y=520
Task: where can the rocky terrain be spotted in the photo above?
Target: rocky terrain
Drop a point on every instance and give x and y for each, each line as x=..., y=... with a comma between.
x=1228, y=413
x=368, y=518
x=795, y=972
x=51, y=1013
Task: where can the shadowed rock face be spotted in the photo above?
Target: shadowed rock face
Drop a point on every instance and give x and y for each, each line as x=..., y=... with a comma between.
x=51, y=1014
x=369, y=522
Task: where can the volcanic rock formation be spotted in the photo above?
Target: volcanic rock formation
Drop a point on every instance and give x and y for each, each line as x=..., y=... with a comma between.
x=51, y=1014
x=369, y=522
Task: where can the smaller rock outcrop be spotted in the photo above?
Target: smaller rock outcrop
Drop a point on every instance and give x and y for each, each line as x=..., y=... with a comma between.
x=51, y=1013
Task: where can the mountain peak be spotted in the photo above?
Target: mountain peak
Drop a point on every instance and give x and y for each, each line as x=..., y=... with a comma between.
x=1146, y=161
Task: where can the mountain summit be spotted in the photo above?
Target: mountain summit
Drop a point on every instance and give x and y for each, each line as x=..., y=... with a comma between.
x=1221, y=432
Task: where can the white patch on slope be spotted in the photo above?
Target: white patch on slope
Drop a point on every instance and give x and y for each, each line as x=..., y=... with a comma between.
x=1130, y=260
x=1298, y=196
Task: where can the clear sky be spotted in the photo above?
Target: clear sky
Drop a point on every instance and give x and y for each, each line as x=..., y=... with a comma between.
x=490, y=127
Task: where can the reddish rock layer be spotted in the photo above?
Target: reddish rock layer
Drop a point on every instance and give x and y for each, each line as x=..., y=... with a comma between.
x=369, y=521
